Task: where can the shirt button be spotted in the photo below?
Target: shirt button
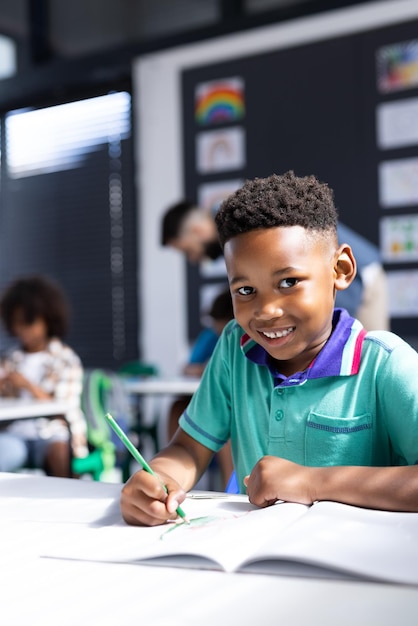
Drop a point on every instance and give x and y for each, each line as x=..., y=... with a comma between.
x=279, y=392
x=278, y=416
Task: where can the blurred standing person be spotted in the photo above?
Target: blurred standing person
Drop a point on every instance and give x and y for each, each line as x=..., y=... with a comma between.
x=192, y=231
x=367, y=297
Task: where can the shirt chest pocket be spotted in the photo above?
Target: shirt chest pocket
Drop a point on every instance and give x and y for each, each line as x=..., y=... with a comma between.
x=338, y=440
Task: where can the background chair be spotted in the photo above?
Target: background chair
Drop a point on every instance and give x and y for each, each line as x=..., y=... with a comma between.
x=102, y=457
x=138, y=368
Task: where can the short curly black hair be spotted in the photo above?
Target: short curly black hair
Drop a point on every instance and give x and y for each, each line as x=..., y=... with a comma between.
x=278, y=200
x=37, y=297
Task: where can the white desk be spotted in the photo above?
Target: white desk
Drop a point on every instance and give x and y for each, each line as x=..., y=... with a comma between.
x=162, y=386
x=36, y=511
x=12, y=409
x=25, y=408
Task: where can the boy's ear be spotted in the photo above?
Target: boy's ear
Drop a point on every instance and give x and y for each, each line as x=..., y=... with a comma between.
x=345, y=267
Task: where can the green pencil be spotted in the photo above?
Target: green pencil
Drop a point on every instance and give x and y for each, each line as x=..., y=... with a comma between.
x=138, y=456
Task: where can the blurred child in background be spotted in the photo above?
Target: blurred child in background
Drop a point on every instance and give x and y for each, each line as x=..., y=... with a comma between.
x=34, y=310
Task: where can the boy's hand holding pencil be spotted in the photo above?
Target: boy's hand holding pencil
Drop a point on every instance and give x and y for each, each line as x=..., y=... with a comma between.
x=152, y=498
x=145, y=500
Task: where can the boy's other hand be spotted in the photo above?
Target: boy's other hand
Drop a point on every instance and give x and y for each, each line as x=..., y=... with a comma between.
x=144, y=500
x=273, y=478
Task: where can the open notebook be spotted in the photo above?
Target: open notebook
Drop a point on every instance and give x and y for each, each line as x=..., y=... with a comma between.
x=228, y=533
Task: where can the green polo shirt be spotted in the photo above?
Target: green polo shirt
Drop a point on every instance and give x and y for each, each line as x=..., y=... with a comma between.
x=357, y=403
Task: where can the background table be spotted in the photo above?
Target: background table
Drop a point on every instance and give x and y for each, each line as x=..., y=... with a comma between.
x=150, y=402
x=35, y=512
x=162, y=386
x=26, y=408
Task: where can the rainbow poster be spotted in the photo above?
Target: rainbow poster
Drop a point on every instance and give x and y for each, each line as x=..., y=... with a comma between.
x=219, y=101
x=397, y=66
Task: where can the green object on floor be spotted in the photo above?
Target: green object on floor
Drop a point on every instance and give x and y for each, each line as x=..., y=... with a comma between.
x=102, y=456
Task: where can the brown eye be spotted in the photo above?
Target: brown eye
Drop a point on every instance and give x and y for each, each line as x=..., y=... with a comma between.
x=286, y=283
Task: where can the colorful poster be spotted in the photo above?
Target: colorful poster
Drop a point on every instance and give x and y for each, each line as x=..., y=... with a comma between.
x=220, y=150
x=210, y=195
x=397, y=66
x=403, y=289
x=219, y=101
x=397, y=123
x=398, y=182
x=399, y=238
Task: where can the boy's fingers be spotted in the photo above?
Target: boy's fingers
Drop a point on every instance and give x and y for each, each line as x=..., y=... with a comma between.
x=151, y=486
x=145, y=500
x=172, y=504
x=175, y=498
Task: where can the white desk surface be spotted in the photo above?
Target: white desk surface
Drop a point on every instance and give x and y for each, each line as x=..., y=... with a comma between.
x=162, y=386
x=22, y=408
x=36, y=510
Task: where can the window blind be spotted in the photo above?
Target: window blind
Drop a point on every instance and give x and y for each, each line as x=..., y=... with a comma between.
x=67, y=210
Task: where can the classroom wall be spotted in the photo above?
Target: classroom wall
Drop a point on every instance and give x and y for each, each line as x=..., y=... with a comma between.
x=159, y=145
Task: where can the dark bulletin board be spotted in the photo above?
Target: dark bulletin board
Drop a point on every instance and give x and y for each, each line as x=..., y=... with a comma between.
x=310, y=108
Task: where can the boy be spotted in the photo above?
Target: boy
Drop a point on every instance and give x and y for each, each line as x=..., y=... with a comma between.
x=315, y=407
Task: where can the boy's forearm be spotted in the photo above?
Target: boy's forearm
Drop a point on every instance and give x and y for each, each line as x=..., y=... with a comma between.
x=181, y=463
x=387, y=488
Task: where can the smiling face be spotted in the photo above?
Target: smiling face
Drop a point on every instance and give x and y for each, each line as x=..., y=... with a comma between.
x=283, y=283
